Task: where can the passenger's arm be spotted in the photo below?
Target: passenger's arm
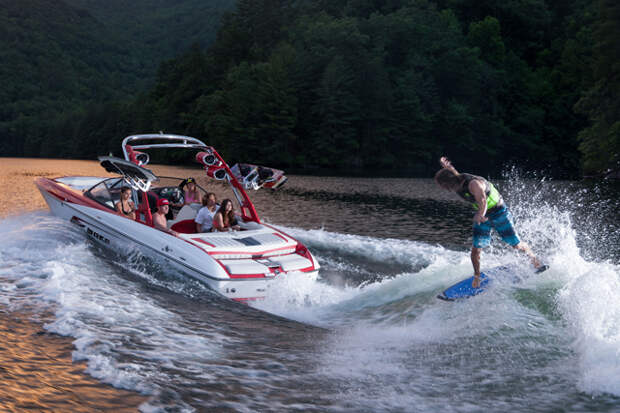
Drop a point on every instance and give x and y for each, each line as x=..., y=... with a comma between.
x=158, y=224
x=218, y=222
x=235, y=225
x=199, y=221
x=162, y=226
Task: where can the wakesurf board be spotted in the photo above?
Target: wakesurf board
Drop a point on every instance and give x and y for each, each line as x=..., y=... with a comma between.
x=463, y=289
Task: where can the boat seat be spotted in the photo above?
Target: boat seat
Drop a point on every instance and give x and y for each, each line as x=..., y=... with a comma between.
x=187, y=212
x=187, y=226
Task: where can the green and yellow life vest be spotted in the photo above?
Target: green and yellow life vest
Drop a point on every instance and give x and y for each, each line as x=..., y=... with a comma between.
x=494, y=198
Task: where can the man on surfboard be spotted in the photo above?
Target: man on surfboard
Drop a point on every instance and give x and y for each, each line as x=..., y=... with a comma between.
x=491, y=212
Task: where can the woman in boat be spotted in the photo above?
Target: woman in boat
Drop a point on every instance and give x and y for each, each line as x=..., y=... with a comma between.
x=125, y=205
x=224, y=219
x=191, y=194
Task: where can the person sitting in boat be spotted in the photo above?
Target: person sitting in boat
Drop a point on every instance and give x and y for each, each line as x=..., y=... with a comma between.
x=204, y=218
x=159, y=218
x=190, y=194
x=125, y=205
x=224, y=219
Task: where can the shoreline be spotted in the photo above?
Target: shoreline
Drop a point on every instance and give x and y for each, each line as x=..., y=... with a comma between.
x=405, y=172
x=38, y=374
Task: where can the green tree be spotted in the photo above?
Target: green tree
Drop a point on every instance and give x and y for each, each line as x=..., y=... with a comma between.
x=600, y=143
x=276, y=96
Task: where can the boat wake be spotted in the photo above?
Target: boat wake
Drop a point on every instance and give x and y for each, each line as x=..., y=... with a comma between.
x=573, y=308
x=389, y=343
x=126, y=330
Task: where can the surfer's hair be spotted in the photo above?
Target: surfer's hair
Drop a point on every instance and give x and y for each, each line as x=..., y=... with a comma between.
x=446, y=178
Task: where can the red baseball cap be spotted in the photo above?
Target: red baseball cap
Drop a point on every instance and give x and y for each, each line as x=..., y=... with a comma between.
x=162, y=201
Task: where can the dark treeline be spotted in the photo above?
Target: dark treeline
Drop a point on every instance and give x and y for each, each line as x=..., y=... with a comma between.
x=365, y=85
x=57, y=57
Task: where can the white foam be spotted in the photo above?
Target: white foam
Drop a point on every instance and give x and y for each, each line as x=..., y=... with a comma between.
x=322, y=303
x=124, y=335
x=590, y=301
x=378, y=249
x=309, y=300
x=376, y=325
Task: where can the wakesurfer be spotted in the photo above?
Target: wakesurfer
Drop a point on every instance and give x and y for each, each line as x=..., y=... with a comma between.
x=491, y=212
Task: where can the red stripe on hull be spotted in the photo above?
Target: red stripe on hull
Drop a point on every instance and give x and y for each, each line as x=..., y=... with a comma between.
x=246, y=275
x=66, y=194
x=243, y=300
x=251, y=253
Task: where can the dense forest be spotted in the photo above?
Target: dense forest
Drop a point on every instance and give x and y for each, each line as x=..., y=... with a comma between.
x=64, y=58
x=352, y=85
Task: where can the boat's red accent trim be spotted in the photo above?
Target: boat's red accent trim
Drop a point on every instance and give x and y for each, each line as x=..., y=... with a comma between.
x=248, y=299
x=308, y=269
x=223, y=267
x=66, y=194
x=304, y=252
x=203, y=241
x=131, y=153
x=56, y=195
x=246, y=275
x=238, y=275
x=145, y=209
x=271, y=270
x=280, y=235
x=250, y=253
x=250, y=214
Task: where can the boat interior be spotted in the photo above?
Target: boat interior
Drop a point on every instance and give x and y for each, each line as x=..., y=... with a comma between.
x=180, y=217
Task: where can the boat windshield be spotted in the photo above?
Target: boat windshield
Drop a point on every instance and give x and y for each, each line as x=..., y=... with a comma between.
x=107, y=192
x=173, y=189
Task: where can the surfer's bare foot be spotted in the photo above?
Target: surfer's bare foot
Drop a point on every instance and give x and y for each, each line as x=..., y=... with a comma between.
x=541, y=268
x=475, y=283
x=525, y=248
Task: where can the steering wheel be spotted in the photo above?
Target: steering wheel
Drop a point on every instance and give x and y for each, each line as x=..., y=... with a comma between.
x=177, y=196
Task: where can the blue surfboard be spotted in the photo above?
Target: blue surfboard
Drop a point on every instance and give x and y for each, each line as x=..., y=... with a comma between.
x=463, y=289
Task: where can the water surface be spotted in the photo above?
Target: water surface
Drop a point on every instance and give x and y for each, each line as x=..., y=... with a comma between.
x=367, y=336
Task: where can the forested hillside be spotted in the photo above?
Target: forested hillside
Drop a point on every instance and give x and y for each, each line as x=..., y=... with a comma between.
x=160, y=28
x=364, y=85
x=62, y=59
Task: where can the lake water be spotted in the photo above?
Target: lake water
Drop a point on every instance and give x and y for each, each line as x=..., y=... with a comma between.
x=86, y=330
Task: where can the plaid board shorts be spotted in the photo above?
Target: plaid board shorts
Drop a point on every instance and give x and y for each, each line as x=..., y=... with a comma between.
x=501, y=220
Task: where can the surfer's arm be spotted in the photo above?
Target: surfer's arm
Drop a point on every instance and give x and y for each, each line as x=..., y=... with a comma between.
x=477, y=190
x=445, y=163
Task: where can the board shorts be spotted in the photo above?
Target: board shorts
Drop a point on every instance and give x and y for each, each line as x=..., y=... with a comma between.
x=501, y=220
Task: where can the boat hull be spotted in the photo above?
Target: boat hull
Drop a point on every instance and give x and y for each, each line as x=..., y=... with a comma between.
x=127, y=237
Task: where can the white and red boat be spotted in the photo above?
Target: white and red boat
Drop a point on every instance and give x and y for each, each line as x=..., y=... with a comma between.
x=237, y=264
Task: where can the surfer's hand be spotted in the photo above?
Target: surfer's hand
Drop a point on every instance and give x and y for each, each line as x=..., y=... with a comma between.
x=475, y=283
x=445, y=162
x=479, y=219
